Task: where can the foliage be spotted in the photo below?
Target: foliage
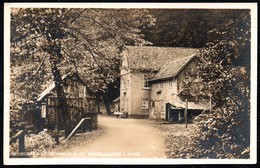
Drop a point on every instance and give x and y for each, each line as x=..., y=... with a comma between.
x=34, y=144
x=43, y=145
x=192, y=87
x=48, y=42
x=24, y=86
x=177, y=139
x=186, y=27
x=226, y=73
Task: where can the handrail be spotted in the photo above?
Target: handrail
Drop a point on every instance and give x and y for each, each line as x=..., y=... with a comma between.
x=77, y=126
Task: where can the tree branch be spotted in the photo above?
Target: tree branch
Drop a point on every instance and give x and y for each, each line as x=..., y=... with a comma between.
x=100, y=25
x=71, y=60
x=40, y=66
x=74, y=19
x=89, y=42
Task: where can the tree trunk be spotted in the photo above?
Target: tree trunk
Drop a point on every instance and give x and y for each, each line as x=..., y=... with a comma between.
x=63, y=108
x=98, y=103
x=55, y=58
x=107, y=104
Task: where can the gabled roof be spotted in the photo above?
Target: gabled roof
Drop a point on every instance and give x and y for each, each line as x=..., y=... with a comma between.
x=51, y=86
x=151, y=58
x=173, y=68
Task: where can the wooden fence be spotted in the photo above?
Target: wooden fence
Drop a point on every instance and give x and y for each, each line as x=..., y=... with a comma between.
x=78, y=108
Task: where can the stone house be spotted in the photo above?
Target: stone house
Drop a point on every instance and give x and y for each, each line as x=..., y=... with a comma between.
x=150, y=78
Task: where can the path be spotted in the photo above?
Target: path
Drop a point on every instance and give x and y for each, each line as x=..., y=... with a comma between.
x=123, y=138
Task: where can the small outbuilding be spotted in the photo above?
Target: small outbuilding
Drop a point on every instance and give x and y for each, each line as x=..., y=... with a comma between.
x=79, y=99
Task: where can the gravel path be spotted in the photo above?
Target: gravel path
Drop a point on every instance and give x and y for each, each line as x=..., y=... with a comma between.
x=121, y=138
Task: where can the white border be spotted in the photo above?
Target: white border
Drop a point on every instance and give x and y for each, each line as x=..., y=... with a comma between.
x=40, y=161
x=137, y=5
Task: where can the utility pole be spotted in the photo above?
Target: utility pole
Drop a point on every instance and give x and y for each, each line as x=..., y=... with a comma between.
x=185, y=112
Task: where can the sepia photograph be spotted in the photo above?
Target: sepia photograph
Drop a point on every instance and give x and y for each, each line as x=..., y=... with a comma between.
x=99, y=83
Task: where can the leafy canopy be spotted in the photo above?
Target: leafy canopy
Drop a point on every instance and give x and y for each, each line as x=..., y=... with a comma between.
x=49, y=42
x=88, y=40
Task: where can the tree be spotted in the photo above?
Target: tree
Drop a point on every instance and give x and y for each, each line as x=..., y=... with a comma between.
x=186, y=27
x=180, y=27
x=87, y=40
x=226, y=74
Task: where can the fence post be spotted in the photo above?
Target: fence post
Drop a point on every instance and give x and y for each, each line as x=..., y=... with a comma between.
x=185, y=113
x=21, y=142
x=56, y=127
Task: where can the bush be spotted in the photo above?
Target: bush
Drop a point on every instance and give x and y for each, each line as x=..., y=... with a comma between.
x=36, y=144
x=220, y=136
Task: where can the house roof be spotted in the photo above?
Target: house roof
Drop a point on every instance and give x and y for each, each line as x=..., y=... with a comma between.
x=147, y=58
x=191, y=105
x=52, y=85
x=172, y=69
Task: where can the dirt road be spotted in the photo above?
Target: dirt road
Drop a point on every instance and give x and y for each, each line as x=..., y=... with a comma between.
x=123, y=138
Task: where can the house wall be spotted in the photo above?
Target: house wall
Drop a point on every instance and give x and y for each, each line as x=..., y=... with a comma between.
x=133, y=94
x=75, y=90
x=125, y=91
x=168, y=93
x=140, y=96
x=125, y=88
x=161, y=93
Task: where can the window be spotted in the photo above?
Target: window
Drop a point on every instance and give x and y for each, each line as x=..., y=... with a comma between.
x=146, y=85
x=145, y=104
